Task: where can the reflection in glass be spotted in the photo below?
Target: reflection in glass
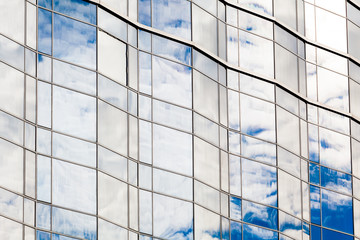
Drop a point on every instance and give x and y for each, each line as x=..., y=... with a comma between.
x=207, y=224
x=256, y=87
x=145, y=12
x=73, y=224
x=172, y=150
x=170, y=49
x=258, y=150
x=43, y=178
x=172, y=115
x=44, y=31
x=172, y=16
x=44, y=68
x=255, y=233
x=112, y=199
x=206, y=196
x=257, y=25
x=107, y=230
x=77, y=9
x=206, y=97
x=74, y=113
x=112, y=92
x=145, y=212
x=314, y=173
x=112, y=163
x=256, y=54
x=289, y=225
x=206, y=162
x=43, y=216
x=289, y=194
x=334, y=150
x=336, y=181
x=145, y=73
x=74, y=77
x=112, y=127
x=337, y=211
x=112, y=58
x=259, y=182
x=73, y=186
x=204, y=29
x=11, y=205
x=74, y=150
x=235, y=208
x=172, y=184
x=74, y=41
x=235, y=175
x=257, y=118
x=315, y=204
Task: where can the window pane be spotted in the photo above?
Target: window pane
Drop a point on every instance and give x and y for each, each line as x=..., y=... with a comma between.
x=172, y=16
x=77, y=9
x=74, y=41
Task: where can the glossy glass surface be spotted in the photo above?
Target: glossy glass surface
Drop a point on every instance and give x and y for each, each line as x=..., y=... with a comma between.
x=44, y=31
x=259, y=182
x=260, y=215
x=77, y=9
x=171, y=82
x=172, y=16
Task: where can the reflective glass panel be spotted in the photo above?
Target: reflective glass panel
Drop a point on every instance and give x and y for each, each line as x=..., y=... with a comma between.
x=77, y=9
x=289, y=194
x=73, y=224
x=73, y=186
x=260, y=215
x=74, y=113
x=258, y=150
x=337, y=211
x=207, y=224
x=172, y=150
x=172, y=82
x=336, y=181
x=44, y=31
x=259, y=182
x=172, y=16
x=74, y=41
x=173, y=219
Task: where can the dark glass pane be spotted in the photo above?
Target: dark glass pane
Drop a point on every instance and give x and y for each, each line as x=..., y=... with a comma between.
x=44, y=31
x=74, y=41
x=315, y=233
x=260, y=215
x=77, y=9
x=331, y=235
x=337, y=211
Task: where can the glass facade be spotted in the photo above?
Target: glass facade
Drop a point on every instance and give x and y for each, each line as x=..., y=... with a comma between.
x=179, y=119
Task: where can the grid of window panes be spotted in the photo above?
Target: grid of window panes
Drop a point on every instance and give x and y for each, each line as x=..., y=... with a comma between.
x=113, y=130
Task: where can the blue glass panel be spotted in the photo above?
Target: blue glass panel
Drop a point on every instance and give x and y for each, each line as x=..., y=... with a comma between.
x=235, y=230
x=259, y=182
x=225, y=232
x=314, y=173
x=77, y=9
x=313, y=143
x=335, y=180
x=255, y=233
x=260, y=215
x=42, y=235
x=171, y=49
x=43, y=178
x=337, y=211
x=74, y=41
x=73, y=224
x=315, y=233
x=315, y=204
x=144, y=12
x=331, y=235
x=235, y=208
x=44, y=31
x=258, y=150
x=45, y=3
x=172, y=16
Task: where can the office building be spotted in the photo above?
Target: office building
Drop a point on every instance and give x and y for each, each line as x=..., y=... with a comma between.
x=179, y=119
